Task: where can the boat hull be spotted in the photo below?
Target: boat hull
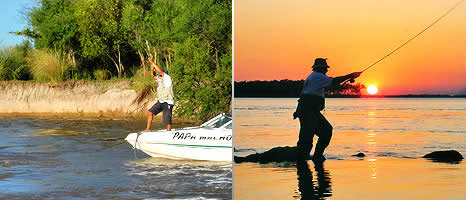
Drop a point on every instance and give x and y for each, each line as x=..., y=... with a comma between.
x=194, y=144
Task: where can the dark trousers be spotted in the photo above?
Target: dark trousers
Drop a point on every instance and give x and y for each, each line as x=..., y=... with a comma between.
x=167, y=111
x=313, y=122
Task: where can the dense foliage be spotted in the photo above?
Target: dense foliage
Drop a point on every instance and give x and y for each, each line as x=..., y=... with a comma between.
x=13, y=64
x=106, y=38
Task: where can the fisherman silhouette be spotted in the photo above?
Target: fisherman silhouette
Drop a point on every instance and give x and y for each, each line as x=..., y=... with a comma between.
x=311, y=102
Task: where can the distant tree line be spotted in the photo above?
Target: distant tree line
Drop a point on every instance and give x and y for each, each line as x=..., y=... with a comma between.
x=101, y=39
x=289, y=88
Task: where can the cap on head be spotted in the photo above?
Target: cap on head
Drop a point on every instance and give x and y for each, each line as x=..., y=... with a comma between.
x=320, y=63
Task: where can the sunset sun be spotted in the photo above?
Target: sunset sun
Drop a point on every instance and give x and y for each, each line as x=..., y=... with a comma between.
x=372, y=89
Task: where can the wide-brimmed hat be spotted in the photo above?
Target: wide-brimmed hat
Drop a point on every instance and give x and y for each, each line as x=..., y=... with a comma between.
x=320, y=62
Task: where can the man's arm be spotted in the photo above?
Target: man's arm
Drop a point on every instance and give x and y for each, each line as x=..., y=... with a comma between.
x=155, y=67
x=337, y=80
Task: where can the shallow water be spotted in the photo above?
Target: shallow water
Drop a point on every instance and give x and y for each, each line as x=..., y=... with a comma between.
x=50, y=158
x=386, y=178
x=385, y=127
x=394, y=133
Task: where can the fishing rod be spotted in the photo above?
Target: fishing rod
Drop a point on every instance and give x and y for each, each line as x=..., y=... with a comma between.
x=412, y=38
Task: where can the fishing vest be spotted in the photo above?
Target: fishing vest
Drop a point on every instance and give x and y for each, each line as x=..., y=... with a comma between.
x=164, y=93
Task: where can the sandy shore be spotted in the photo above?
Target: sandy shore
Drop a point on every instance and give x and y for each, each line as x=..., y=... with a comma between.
x=68, y=97
x=76, y=100
x=384, y=178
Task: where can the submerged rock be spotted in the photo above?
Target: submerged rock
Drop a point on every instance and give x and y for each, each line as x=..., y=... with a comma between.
x=360, y=155
x=445, y=156
x=277, y=154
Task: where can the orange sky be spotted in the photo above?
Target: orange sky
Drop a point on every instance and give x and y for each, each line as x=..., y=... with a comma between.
x=276, y=40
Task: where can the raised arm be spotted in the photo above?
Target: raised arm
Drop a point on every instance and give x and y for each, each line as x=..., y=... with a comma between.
x=339, y=79
x=155, y=67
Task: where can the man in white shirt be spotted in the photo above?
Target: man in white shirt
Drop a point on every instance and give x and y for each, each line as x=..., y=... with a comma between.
x=165, y=96
x=311, y=102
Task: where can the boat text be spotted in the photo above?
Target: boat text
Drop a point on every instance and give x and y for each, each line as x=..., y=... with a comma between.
x=189, y=136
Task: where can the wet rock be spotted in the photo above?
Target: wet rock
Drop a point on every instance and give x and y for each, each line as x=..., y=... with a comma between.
x=277, y=154
x=444, y=156
x=360, y=155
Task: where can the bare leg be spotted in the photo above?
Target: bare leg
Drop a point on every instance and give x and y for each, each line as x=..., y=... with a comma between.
x=149, y=120
x=169, y=127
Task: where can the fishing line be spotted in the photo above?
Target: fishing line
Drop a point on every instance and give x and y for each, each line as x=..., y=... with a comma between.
x=412, y=38
x=135, y=143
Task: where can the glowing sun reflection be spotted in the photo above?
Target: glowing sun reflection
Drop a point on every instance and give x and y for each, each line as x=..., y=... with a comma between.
x=372, y=143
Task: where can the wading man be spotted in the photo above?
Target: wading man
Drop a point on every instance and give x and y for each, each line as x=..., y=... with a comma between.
x=311, y=102
x=165, y=97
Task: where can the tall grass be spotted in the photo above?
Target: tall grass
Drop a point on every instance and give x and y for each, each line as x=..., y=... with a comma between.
x=13, y=64
x=47, y=65
x=143, y=83
x=142, y=79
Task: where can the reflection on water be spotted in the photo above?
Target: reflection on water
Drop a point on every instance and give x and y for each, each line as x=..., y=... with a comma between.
x=310, y=188
x=387, y=131
x=349, y=179
x=373, y=167
x=385, y=127
x=372, y=141
x=56, y=158
x=174, y=177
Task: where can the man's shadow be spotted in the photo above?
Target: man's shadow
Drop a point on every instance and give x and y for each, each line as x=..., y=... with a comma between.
x=310, y=189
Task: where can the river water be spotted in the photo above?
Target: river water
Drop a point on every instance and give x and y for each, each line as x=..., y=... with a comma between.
x=378, y=127
x=59, y=158
x=394, y=133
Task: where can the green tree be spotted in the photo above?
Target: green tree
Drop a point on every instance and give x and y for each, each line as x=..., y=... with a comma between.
x=53, y=26
x=192, y=39
x=150, y=25
x=133, y=24
x=54, y=23
x=202, y=67
x=101, y=31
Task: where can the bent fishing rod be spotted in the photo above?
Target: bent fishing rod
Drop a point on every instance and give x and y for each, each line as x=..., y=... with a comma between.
x=412, y=38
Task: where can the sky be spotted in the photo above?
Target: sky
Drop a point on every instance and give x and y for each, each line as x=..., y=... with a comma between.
x=12, y=19
x=275, y=40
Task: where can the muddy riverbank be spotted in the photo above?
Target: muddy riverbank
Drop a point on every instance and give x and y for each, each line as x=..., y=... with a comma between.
x=77, y=97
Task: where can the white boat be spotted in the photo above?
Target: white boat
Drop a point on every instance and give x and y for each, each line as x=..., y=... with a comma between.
x=210, y=141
